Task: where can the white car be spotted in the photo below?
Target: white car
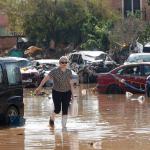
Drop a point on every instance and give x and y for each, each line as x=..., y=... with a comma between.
x=52, y=63
x=138, y=57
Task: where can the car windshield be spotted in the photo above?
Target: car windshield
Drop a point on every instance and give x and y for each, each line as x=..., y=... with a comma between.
x=101, y=57
x=24, y=63
x=143, y=58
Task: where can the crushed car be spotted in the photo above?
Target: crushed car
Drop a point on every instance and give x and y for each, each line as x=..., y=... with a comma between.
x=88, y=63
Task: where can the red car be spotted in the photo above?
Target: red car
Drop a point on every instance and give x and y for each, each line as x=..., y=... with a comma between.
x=130, y=77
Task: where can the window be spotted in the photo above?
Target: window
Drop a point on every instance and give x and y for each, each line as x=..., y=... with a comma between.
x=120, y=72
x=146, y=70
x=102, y=56
x=13, y=74
x=131, y=6
x=24, y=63
x=133, y=71
x=136, y=5
x=76, y=58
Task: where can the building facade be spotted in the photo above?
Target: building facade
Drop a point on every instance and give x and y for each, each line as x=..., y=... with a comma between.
x=6, y=41
x=125, y=6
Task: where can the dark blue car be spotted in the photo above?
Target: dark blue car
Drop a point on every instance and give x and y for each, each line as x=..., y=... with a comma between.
x=11, y=92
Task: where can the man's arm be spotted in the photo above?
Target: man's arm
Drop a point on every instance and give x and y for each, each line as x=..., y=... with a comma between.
x=45, y=79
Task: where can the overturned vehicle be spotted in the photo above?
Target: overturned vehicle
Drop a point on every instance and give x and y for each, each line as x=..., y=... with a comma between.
x=88, y=63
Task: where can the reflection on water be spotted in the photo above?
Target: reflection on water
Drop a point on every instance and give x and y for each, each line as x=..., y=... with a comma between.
x=106, y=122
x=12, y=138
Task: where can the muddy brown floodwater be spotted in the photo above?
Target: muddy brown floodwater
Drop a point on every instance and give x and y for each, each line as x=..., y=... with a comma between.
x=104, y=122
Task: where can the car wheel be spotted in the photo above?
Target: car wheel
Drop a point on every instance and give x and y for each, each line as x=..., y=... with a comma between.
x=114, y=89
x=12, y=115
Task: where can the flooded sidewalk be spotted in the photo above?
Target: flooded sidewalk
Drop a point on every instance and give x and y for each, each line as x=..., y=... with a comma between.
x=104, y=122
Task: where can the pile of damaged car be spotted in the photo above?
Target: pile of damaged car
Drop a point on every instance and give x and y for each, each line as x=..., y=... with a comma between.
x=87, y=64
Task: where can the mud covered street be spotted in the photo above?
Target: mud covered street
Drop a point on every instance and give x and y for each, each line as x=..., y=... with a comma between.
x=104, y=122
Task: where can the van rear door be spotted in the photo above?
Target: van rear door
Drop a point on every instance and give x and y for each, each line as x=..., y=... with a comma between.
x=3, y=95
x=14, y=80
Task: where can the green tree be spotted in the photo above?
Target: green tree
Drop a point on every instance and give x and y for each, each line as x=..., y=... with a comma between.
x=95, y=34
x=144, y=36
x=64, y=21
x=59, y=21
x=126, y=31
x=96, y=28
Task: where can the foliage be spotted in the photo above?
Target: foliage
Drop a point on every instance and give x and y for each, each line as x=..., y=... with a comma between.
x=96, y=28
x=59, y=21
x=126, y=31
x=95, y=34
x=64, y=21
x=145, y=35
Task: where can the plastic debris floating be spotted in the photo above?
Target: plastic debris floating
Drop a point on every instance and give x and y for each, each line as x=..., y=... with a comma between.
x=129, y=95
x=140, y=99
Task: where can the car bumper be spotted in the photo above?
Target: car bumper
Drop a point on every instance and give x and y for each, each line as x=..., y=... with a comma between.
x=101, y=88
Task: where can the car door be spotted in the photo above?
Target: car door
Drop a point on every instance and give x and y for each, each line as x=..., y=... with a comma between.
x=133, y=79
x=145, y=72
x=14, y=80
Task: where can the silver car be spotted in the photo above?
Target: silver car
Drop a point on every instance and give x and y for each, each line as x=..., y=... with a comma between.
x=138, y=57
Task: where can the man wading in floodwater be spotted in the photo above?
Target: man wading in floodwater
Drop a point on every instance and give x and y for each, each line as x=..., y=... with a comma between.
x=61, y=90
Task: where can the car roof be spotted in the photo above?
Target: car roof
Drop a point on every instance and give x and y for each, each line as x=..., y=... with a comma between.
x=13, y=58
x=137, y=63
x=9, y=59
x=90, y=53
x=47, y=61
x=139, y=54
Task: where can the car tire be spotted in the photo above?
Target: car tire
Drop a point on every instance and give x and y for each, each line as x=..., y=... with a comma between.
x=12, y=115
x=114, y=89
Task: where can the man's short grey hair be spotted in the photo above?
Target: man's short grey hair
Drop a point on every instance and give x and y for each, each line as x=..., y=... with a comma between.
x=63, y=59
